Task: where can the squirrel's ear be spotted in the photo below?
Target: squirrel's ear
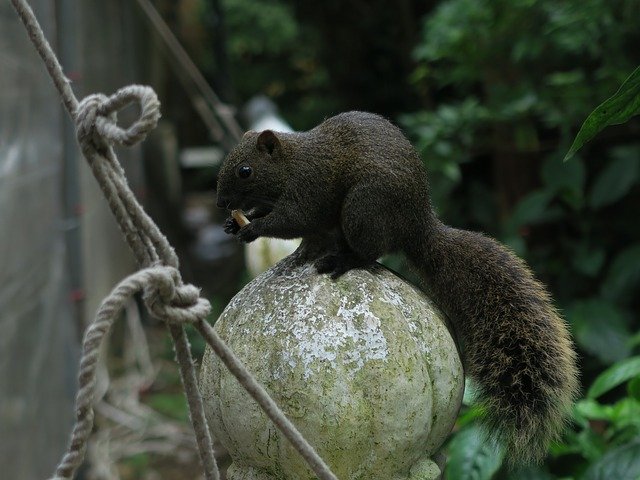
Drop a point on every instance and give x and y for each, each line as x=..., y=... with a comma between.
x=268, y=142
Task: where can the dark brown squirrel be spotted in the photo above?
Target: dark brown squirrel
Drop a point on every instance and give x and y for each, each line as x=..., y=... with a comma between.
x=355, y=189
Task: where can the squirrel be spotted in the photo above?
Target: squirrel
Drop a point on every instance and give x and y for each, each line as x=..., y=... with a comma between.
x=354, y=189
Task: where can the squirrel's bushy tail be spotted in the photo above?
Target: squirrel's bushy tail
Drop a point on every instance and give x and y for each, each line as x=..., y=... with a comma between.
x=515, y=346
x=527, y=394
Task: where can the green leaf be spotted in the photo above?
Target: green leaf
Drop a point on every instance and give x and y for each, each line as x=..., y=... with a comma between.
x=588, y=261
x=137, y=464
x=626, y=412
x=516, y=243
x=529, y=473
x=615, y=181
x=559, y=176
x=623, y=274
x=601, y=329
x=533, y=208
x=621, y=463
x=469, y=415
x=472, y=457
x=590, y=409
x=633, y=388
x=624, y=104
x=614, y=376
x=170, y=404
x=590, y=444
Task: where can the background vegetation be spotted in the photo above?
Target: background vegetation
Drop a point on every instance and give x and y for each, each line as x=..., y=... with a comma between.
x=492, y=93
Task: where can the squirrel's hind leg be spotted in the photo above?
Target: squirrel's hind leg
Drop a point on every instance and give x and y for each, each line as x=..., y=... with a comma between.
x=372, y=224
x=337, y=258
x=330, y=253
x=372, y=221
x=339, y=262
x=368, y=231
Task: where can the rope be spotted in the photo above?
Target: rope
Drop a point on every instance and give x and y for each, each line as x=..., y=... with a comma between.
x=159, y=289
x=164, y=293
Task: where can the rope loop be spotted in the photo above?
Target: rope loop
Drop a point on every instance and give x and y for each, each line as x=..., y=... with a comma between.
x=170, y=300
x=96, y=117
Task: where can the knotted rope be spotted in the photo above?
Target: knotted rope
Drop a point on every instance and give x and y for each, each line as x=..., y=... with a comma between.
x=163, y=299
x=164, y=293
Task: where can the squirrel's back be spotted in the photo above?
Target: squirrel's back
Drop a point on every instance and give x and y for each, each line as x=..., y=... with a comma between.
x=367, y=140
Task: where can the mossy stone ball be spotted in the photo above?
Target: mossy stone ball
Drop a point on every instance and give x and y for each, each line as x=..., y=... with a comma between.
x=364, y=366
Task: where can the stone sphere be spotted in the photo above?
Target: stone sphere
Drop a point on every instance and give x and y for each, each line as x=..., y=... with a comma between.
x=364, y=366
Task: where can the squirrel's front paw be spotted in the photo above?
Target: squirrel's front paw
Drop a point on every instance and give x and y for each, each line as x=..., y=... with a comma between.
x=248, y=233
x=231, y=226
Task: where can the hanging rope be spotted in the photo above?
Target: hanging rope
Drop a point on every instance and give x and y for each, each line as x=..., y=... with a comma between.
x=164, y=293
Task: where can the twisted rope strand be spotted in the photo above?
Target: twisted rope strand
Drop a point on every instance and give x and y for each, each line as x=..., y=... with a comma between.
x=107, y=182
x=96, y=132
x=165, y=295
x=190, y=382
x=39, y=41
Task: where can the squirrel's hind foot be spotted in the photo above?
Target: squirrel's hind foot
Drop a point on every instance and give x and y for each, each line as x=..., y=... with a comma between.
x=337, y=264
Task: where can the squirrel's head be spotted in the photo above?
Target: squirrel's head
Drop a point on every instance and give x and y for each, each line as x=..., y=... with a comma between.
x=250, y=175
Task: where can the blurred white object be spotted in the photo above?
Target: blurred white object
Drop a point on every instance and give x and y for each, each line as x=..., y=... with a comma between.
x=262, y=114
x=262, y=254
x=199, y=157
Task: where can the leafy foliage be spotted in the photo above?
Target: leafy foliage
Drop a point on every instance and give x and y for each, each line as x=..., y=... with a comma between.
x=617, y=109
x=497, y=91
x=614, y=376
x=622, y=463
x=529, y=73
x=270, y=53
x=601, y=329
x=472, y=457
x=617, y=178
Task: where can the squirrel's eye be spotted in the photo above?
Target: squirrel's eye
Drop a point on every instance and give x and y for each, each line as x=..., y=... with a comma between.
x=245, y=171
